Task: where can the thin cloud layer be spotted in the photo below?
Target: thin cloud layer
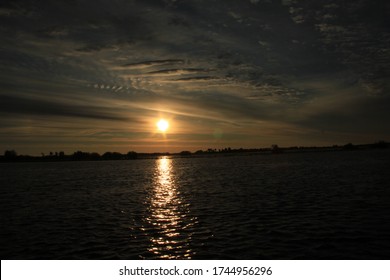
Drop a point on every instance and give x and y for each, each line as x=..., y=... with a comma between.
x=226, y=73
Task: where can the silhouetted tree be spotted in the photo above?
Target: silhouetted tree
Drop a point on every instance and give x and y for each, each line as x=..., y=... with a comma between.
x=112, y=156
x=10, y=155
x=79, y=155
x=275, y=149
x=132, y=155
x=94, y=156
x=380, y=145
x=349, y=146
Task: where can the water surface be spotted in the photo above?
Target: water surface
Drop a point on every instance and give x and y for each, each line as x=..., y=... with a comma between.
x=333, y=205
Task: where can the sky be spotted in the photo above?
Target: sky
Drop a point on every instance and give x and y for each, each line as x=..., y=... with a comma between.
x=97, y=75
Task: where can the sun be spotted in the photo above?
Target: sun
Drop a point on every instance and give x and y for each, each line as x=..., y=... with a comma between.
x=162, y=125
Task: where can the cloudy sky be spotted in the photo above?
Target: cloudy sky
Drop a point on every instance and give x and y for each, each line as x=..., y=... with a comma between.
x=97, y=75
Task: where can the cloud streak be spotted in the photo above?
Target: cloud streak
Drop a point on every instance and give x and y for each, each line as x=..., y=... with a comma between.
x=28, y=106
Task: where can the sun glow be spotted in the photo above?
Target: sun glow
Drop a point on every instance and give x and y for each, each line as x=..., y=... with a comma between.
x=162, y=125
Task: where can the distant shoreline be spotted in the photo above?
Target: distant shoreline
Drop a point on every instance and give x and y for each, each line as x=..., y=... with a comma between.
x=12, y=156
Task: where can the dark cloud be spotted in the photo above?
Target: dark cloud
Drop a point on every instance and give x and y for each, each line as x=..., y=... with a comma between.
x=362, y=112
x=155, y=62
x=26, y=106
x=355, y=33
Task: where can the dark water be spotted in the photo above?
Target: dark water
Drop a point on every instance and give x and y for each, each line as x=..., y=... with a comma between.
x=288, y=206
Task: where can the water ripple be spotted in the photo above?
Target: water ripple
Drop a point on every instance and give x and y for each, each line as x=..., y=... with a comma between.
x=292, y=206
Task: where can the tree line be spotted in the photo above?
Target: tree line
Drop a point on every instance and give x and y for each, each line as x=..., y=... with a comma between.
x=11, y=155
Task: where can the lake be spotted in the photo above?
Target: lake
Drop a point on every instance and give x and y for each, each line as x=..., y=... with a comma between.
x=329, y=205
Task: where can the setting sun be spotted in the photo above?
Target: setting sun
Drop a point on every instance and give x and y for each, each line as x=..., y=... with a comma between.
x=162, y=125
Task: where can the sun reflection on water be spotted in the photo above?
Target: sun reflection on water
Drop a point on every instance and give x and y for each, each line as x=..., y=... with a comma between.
x=169, y=215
